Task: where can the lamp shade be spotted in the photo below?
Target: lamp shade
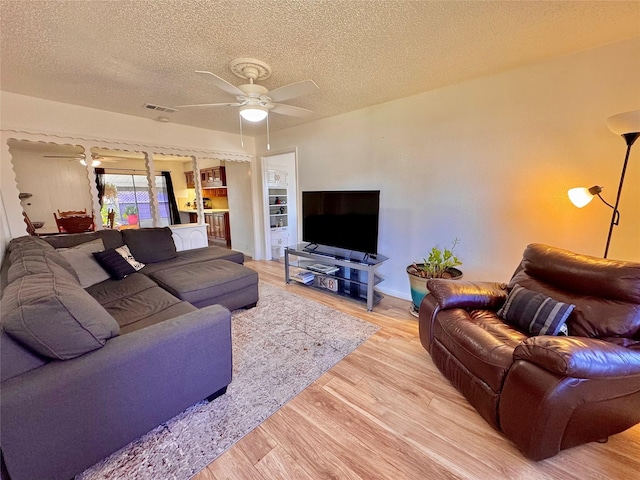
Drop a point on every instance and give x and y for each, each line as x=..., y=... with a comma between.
x=581, y=196
x=254, y=113
x=623, y=123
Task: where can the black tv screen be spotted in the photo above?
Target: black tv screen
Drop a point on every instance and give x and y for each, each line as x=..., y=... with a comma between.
x=342, y=219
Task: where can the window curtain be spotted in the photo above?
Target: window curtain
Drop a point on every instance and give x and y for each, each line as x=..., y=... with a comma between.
x=100, y=185
x=174, y=214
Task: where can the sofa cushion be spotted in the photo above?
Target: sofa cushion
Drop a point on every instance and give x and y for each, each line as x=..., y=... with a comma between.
x=118, y=262
x=215, y=281
x=29, y=242
x=51, y=255
x=110, y=238
x=136, y=300
x=86, y=267
x=534, y=312
x=55, y=316
x=38, y=262
x=196, y=255
x=114, y=290
x=150, y=245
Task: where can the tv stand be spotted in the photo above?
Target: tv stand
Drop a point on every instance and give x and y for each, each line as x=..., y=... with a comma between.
x=354, y=276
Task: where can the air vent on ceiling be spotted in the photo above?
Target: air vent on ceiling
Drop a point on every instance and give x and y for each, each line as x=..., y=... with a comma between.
x=159, y=108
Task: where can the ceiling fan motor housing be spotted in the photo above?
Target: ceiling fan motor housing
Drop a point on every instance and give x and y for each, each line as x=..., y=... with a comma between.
x=254, y=95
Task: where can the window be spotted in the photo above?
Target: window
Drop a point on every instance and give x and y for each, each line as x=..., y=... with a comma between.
x=128, y=195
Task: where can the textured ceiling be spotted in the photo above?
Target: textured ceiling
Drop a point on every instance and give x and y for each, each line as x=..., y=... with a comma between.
x=119, y=55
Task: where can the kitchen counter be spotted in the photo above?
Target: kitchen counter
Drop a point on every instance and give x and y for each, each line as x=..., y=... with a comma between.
x=206, y=210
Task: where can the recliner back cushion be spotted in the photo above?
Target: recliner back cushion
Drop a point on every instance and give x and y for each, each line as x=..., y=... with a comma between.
x=55, y=317
x=150, y=245
x=606, y=293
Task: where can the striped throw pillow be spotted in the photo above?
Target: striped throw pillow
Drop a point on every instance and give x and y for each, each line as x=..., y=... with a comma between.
x=534, y=312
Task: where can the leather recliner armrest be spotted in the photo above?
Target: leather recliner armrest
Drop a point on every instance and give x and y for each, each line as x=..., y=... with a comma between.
x=468, y=295
x=579, y=357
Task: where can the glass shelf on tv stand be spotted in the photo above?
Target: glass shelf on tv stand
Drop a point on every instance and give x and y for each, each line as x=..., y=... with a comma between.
x=355, y=277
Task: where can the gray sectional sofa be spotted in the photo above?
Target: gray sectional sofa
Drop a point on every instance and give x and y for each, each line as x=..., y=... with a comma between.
x=88, y=362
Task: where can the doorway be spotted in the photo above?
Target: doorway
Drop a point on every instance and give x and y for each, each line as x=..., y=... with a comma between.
x=280, y=187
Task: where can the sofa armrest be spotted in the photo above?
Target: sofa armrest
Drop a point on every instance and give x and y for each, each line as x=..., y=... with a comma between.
x=468, y=295
x=579, y=357
x=65, y=416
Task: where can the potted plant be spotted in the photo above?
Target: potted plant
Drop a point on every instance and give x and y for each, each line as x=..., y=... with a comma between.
x=131, y=214
x=440, y=263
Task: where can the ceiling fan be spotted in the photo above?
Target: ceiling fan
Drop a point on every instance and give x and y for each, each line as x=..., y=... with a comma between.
x=81, y=157
x=255, y=101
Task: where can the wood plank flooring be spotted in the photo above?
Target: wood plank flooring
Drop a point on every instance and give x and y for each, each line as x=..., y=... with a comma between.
x=386, y=412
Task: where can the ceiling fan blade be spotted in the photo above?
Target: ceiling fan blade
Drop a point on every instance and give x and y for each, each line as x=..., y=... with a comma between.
x=293, y=90
x=222, y=84
x=211, y=105
x=290, y=110
x=79, y=156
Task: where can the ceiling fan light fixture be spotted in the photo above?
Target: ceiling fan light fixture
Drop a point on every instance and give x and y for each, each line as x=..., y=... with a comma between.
x=254, y=113
x=94, y=163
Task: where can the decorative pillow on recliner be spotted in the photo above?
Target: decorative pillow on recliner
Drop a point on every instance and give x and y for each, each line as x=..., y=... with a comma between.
x=534, y=312
x=150, y=245
x=118, y=262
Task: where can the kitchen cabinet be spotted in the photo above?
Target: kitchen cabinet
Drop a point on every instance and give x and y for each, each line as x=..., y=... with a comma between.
x=209, y=178
x=218, y=227
x=190, y=179
x=213, y=177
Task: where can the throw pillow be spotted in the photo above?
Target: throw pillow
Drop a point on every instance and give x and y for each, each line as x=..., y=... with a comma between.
x=534, y=312
x=87, y=269
x=150, y=245
x=118, y=262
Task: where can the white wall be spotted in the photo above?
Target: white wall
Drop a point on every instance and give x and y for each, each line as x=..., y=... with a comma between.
x=20, y=112
x=489, y=162
x=239, y=196
x=54, y=183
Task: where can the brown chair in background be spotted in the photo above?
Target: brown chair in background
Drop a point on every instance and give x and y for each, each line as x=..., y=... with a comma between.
x=31, y=230
x=31, y=227
x=71, y=213
x=75, y=224
x=111, y=217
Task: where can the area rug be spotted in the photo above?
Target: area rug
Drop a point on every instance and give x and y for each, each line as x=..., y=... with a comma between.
x=280, y=347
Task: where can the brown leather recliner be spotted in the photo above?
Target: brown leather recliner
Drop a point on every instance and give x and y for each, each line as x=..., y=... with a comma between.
x=545, y=393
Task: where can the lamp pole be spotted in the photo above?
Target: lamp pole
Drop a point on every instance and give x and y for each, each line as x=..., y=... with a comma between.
x=629, y=139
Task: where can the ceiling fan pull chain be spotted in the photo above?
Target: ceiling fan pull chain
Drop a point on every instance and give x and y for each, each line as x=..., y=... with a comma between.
x=268, y=143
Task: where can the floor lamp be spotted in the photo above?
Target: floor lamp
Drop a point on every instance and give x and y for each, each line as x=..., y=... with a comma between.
x=628, y=126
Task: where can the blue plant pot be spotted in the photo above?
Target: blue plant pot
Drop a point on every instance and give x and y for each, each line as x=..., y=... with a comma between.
x=419, y=288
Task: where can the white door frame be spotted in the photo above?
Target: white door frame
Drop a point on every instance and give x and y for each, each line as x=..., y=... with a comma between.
x=293, y=187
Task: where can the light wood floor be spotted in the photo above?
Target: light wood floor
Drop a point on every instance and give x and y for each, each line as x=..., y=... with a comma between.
x=386, y=412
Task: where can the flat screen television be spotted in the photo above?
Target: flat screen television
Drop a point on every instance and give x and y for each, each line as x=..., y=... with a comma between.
x=342, y=219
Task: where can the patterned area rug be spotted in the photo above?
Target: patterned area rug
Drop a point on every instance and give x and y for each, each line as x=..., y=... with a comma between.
x=279, y=348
